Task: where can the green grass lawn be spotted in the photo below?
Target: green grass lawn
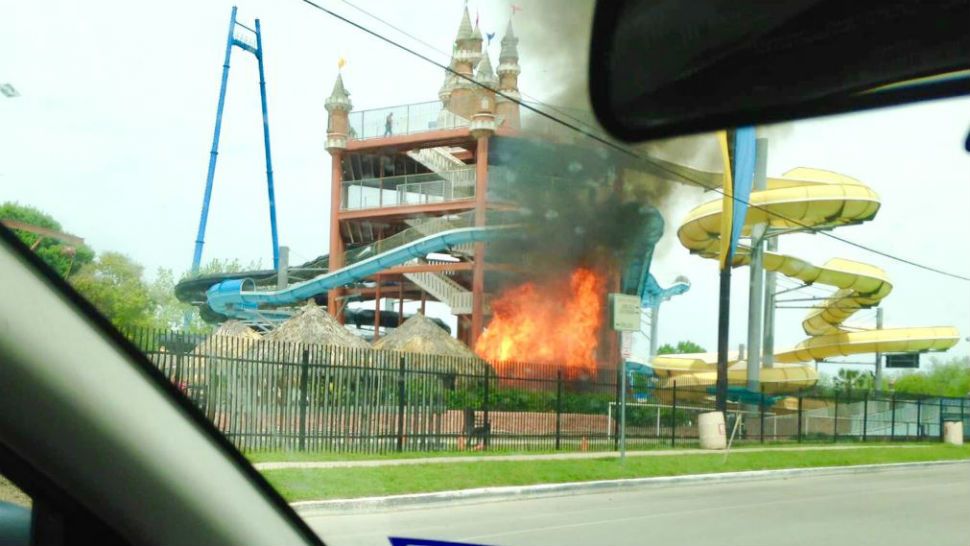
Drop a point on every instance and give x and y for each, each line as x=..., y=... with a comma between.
x=312, y=484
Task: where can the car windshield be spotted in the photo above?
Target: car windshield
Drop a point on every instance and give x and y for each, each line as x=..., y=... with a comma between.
x=387, y=250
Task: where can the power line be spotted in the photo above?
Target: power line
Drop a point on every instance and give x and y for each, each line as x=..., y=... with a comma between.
x=613, y=145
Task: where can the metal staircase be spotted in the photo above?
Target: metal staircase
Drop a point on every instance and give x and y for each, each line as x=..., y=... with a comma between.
x=442, y=162
x=446, y=290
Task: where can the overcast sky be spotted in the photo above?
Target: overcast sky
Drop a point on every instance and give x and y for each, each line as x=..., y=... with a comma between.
x=112, y=134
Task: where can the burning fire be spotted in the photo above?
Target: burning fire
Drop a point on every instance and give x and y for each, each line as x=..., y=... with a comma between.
x=555, y=323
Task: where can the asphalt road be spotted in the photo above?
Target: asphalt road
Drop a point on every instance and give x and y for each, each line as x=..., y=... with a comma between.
x=898, y=507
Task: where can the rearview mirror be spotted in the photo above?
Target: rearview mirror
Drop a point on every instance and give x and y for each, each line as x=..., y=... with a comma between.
x=660, y=68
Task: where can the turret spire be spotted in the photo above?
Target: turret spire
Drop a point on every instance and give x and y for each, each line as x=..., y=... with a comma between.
x=510, y=49
x=465, y=31
x=339, y=98
x=485, y=75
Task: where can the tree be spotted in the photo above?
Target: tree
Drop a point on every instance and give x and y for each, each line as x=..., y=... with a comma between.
x=854, y=380
x=682, y=347
x=113, y=284
x=169, y=312
x=61, y=257
x=944, y=378
x=216, y=266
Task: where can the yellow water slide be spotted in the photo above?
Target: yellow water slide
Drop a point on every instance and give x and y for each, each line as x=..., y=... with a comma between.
x=805, y=200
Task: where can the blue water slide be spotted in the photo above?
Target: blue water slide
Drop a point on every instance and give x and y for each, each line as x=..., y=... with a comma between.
x=238, y=297
x=652, y=294
x=642, y=237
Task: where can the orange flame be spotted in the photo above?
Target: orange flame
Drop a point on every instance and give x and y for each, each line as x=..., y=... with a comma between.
x=556, y=323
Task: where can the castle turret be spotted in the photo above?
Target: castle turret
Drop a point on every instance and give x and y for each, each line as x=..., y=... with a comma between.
x=338, y=107
x=458, y=93
x=484, y=74
x=508, y=75
x=483, y=120
x=447, y=86
x=465, y=55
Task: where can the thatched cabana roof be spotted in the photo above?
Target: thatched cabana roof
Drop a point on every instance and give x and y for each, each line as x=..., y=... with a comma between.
x=215, y=344
x=313, y=325
x=231, y=340
x=419, y=334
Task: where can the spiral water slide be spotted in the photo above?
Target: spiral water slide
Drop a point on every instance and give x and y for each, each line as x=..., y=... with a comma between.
x=805, y=200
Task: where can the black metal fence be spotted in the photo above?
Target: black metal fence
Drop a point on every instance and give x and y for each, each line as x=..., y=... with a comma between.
x=267, y=395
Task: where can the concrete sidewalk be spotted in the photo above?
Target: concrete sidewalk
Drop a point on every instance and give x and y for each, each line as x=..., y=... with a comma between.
x=553, y=456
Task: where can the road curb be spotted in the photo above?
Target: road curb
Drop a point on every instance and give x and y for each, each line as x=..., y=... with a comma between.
x=516, y=492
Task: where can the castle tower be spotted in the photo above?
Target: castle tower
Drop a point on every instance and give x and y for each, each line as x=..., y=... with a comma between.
x=338, y=107
x=466, y=54
x=508, y=74
x=483, y=119
x=374, y=196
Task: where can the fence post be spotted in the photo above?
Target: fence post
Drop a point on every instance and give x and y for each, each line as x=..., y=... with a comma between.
x=673, y=416
x=487, y=422
x=835, y=419
x=963, y=418
x=761, y=426
x=616, y=418
x=558, y=407
x=892, y=422
x=178, y=369
x=941, y=419
x=919, y=419
x=400, y=407
x=799, y=418
x=304, y=380
x=865, y=415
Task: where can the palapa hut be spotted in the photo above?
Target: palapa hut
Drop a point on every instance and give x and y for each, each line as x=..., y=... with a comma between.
x=313, y=325
x=422, y=336
x=419, y=334
x=232, y=340
x=267, y=385
x=313, y=333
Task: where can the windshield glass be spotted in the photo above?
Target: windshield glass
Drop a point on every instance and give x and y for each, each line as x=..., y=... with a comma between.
x=387, y=250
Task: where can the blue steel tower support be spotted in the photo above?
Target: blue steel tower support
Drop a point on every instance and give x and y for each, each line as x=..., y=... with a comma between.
x=210, y=176
x=269, y=159
x=246, y=43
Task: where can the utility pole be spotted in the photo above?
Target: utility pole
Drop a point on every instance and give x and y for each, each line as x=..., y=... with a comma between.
x=282, y=271
x=878, y=378
x=756, y=267
x=654, y=329
x=768, y=346
x=737, y=188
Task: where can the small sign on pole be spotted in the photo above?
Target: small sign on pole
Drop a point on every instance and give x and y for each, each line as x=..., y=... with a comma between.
x=625, y=313
x=624, y=317
x=905, y=360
